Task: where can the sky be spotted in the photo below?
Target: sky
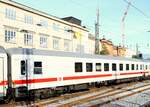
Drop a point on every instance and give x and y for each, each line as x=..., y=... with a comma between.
x=137, y=25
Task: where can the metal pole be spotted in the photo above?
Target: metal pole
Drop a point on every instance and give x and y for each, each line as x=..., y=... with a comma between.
x=97, y=34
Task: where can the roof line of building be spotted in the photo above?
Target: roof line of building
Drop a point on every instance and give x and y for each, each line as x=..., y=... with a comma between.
x=40, y=13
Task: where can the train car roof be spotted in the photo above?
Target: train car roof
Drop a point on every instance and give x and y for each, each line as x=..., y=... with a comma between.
x=25, y=51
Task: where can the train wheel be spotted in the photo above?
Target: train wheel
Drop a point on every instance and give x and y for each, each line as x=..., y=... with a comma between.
x=105, y=83
x=97, y=85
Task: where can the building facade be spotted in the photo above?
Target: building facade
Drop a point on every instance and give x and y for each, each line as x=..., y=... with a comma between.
x=111, y=49
x=24, y=27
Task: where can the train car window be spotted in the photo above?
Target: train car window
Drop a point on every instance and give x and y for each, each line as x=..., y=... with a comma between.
x=114, y=67
x=89, y=67
x=23, y=67
x=106, y=66
x=127, y=67
x=140, y=67
x=137, y=66
x=146, y=67
x=98, y=67
x=143, y=66
x=37, y=67
x=132, y=66
x=78, y=67
x=121, y=67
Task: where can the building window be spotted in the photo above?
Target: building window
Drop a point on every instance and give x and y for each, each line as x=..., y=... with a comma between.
x=127, y=67
x=56, y=27
x=89, y=67
x=10, y=35
x=10, y=14
x=37, y=67
x=56, y=43
x=106, y=66
x=78, y=67
x=121, y=67
x=28, y=39
x=66, y=45
x=28, y=19
x=132, y=66
x=43, y=41
x=44, y=23
x=23, y=67
x=66, y=30
x=98, y=67
x=114, y=67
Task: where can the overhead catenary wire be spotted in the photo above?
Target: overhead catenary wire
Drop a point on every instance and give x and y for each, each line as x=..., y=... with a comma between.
x=80, y=4
x=123, y=36
x=136, y=8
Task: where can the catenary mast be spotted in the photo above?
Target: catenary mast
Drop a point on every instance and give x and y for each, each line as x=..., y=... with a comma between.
x=97, y=33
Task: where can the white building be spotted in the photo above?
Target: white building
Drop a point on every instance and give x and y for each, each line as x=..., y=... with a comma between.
x=23, y=26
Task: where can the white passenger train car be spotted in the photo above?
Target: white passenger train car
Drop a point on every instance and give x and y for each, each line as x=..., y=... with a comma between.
x=42, y=71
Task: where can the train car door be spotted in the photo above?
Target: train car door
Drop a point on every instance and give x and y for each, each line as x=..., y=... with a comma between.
x=1, y=77
x=114, y=71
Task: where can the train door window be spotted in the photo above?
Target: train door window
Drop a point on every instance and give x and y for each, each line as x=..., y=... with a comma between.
x=132, y=66
x=89, y=67
x=140, y=67
x=114, y=67
x=37, y=67
x=106, y=66
x=121, y=67
x=78, y=67
x=23, y=67
x=127, y=67
x=137, y=67
x=98, y=67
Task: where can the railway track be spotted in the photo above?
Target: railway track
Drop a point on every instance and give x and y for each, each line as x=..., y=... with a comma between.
x=92, y=97
x=103, y=97
x=110, y=97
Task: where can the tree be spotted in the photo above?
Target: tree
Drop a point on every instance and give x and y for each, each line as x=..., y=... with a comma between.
x=104, y=51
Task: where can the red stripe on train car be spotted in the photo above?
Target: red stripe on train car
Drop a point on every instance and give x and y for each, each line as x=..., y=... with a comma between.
x=3, y=83
x=35, y=81
x=86, y=77
x=131, y=73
